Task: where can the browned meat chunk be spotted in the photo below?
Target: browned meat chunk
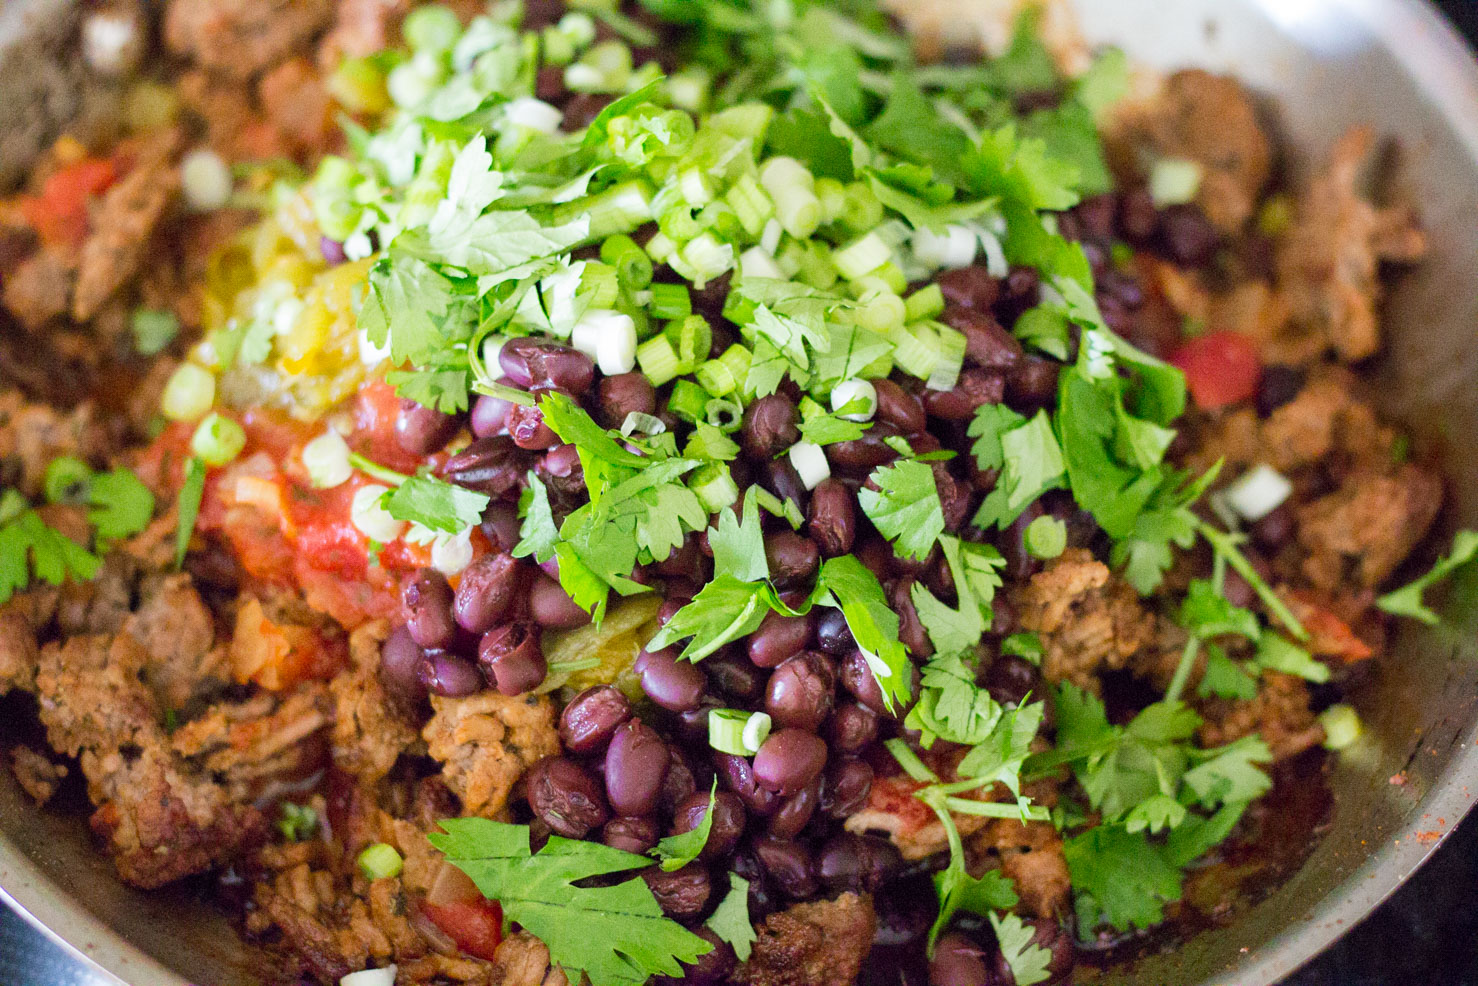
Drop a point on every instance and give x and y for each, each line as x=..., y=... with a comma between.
x=31, y=435
x=1209, y=119
x=369, y=734
x=1089, y=620
x=123, y=227
x=1031, y=855
x=37, y=775
x=178, y=632
x=39, y=288
x=20, y=620
x=1279, y=713
x=816, y=944
x=240, y=38
x=1367, y=527
x=301, y=109
x=485, y=742
x=1329, y=261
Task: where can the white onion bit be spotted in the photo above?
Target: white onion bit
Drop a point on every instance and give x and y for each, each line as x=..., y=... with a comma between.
x=1258, y=492
x=955, y=247
x=205, y=179
x=370, y=518
x=327, y=460
x=848, y=391
x=534, y=114
x=810, y=463
x=371, y=977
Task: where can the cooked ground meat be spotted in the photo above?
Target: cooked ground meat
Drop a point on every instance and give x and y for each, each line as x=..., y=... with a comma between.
x=486, y=741
x=1280, y=714
x=1368, y=526
x=370, y=731
x=821, y=943
x=239, y=38
x=37, y=774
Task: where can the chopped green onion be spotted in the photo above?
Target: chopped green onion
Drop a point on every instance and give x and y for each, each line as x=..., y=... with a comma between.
x=619, y=209
x=660, y=247
x=925, y=303
x=689, y=89
x=431, y=28
x=833, y=197
x=1342, y=726
x=411, y=83
x=916, y=349
x=817, y=267
x=790, y=258
x=379, y=861
x=726, y=374
x=850, y=392
x=605, y=67
x=714, y=487
x=688, y=401
x=558, y=48
x=892, y=276
x=724, y=415
x=793, y=189
x=671, y=301
x=861, y=256
x=658, y=360
x=1175, y=181
x=1046, y=537
x=578, y=27
x=67, y=480
x=751, y=120
x=863, y=210
x=773, y=505
x=705, y=258
x=751, y=204
x=368, y=514
x=217, y=440
x=639, y=423
x=691, y=337
x=810, y=464
x=600, y=284
x=736, y=732
x=949, y=358
x=755, y=262
x=882, y=312
x=189, y=393
x=955, y=247
x=633, y=266
x=327, y=460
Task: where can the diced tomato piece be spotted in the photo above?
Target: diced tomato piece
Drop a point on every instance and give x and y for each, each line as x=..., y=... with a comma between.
x=59, y=213
x=475, y=925
x=1220, y=368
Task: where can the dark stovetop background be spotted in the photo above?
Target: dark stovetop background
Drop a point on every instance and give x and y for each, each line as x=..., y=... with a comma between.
x=1426, y=935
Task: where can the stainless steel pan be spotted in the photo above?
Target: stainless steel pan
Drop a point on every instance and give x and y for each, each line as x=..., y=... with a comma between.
x=1326, y=65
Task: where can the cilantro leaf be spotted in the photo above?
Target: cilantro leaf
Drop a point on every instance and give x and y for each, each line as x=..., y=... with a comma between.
x=991, y=421
x=574, y=425
x=1230, y=773
x=975, y=569
x=445, y=388
x=730, y=920
x=1024, y=644
x=1407, y=600
x=497, y=241
x=28, y=546
x=1279, y=653
x=121, y=505
x=739, y=543
x=538, y=534
x=617, y=935
x=872, y=621
x=1206, y=613
x=1028, y=961
x=821, y=427
x=187, y=507
x=1120, y=877
x=1225, y=678
x=951, y=705
x=723, y=611
x=1193, y=838
x=959, y=891
x=436, y=504
x=407, y=300
x=905, y=507
x=677, y=851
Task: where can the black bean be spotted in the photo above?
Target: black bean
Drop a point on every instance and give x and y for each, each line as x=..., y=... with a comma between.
x=792, y=559
x=527, y=428
x=582, y=108
x=955, y=497
x=1279, y=385
x=681, y=781
x=549, y=84
x=725, y=830
x=778, y=638
x=959, y=961
x=789, y=760
x=562, y=463
x=910, y=628
x=623, y=394
x=551, y=606
x=691, y=726
x=845, y=786
x=865, y=453
x=682, y=893
x=1009, y=679
x=422, y=430
x=857, y=678
x=795, y=812
x=673, y=684
x=737, y=774
x=588, y=722
x=512, y=658
x=899, y=408
x=1020, y=563
x=712, y=967
x=762, y=896
x=856, y=862
x=487, y=589
x=427, y=597
x=788, y=866
x=1237, y=590
x=449, y=675
x=400, y=661
x=531, y=362
x=801, y=691
x=974, y=388
x=1032, y=383
x=832, y=523
x=1187, y=236
x=1022, y=290
x=636, y=765
x=769, y=426
x=635, y=835
x=852, y=727
x=489, y=416
x=566, y=797
x=735, y=677
x=782, y=480
x=833, y=636
x=500, y=525
x=1137, y=217
x=987, y=344
x=492, y=465
x=1274, y=530
x=971, y=287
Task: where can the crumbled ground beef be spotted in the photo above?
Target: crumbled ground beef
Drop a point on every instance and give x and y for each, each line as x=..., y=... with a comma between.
x=486, y=741
x=821, y=943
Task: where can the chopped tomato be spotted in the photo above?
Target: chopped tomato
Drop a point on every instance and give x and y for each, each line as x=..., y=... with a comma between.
x=475, y=925
x=1329, y=636
x=59, y=213
x=1220, y=368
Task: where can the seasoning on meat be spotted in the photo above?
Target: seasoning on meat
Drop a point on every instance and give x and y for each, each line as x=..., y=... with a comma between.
x=486, y=741
x=820, y=943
